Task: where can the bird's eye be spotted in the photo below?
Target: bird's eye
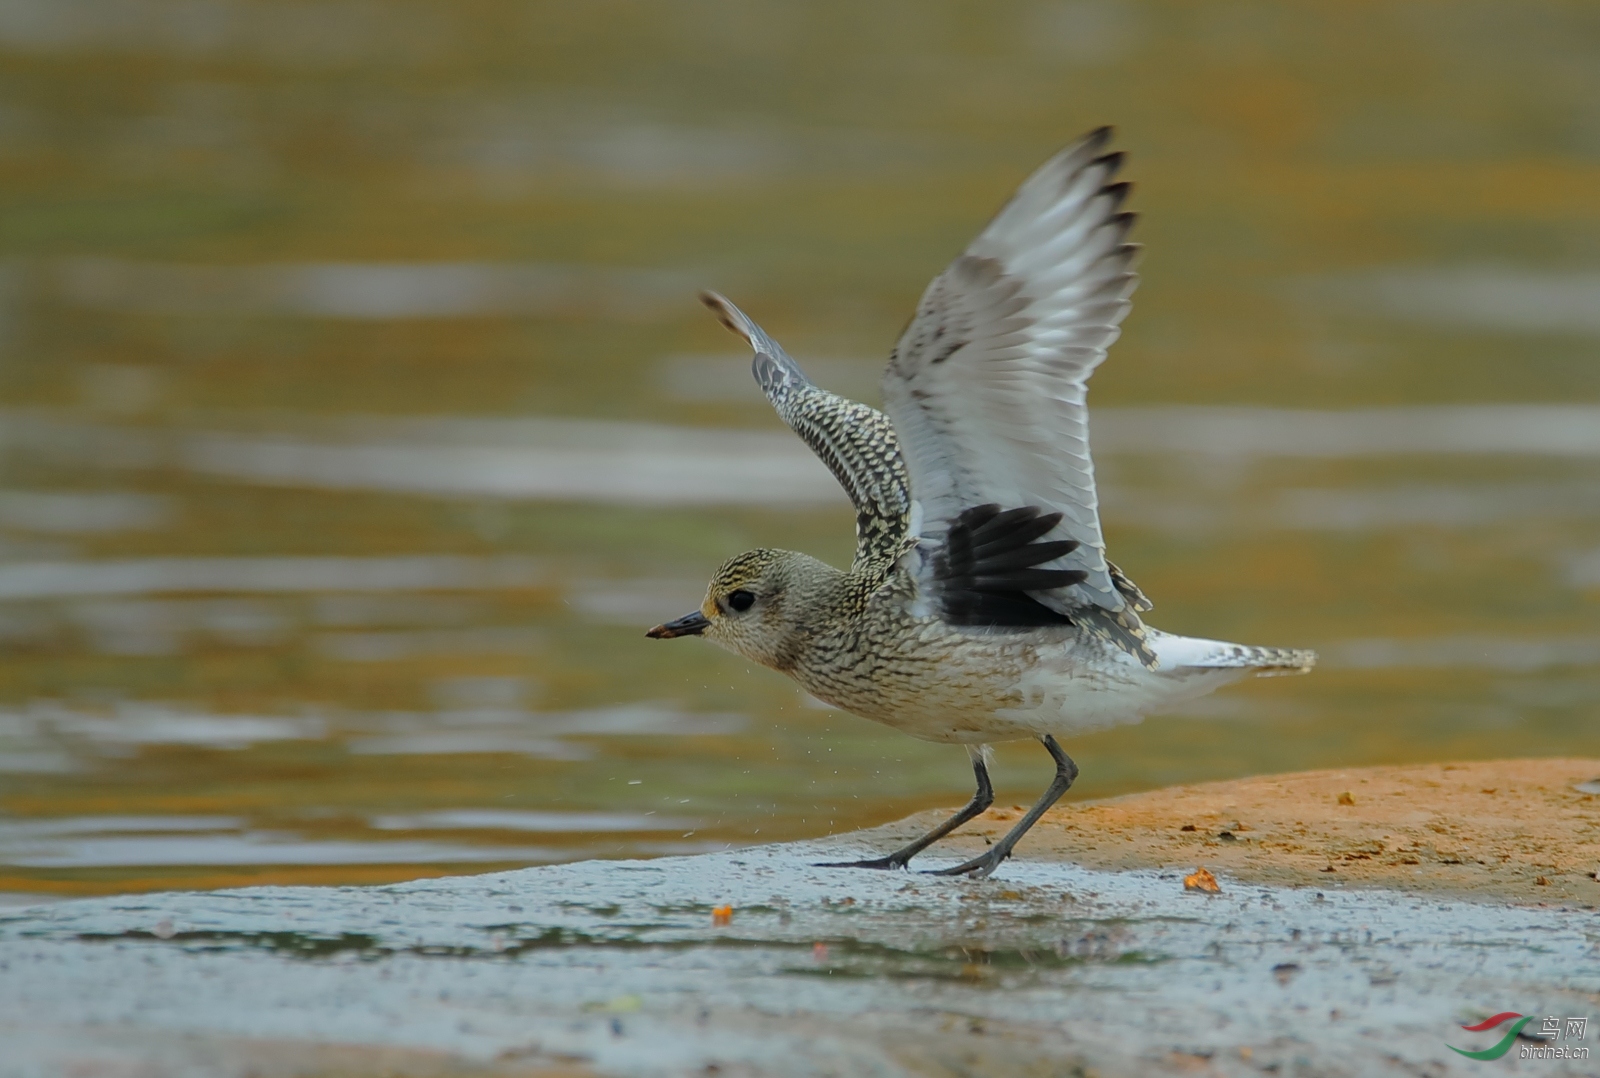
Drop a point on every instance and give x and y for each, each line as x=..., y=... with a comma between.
x=741, y=599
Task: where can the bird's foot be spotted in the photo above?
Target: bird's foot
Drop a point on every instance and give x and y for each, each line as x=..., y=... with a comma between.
x=890, y=862
x=978, y=867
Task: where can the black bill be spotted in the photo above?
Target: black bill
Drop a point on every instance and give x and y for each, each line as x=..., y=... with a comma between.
x=688, y=625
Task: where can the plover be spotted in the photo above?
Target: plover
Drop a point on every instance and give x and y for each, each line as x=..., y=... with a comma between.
x=980, y=606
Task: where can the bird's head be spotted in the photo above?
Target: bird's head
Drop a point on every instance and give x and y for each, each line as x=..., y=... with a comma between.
x=757, y=606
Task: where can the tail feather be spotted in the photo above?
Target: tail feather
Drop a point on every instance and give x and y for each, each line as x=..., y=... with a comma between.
x=1278, y=662
x=1177, y=652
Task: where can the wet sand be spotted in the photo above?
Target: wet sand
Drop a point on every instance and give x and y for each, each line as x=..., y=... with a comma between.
x=1519, y=831
x=1087, y=954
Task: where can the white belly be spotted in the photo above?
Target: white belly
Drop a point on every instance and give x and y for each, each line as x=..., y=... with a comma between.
x=1000, y=688
x=1062, y=703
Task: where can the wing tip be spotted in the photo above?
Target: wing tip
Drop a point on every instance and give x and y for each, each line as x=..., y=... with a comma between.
x=1082, y=153
x=744, y=327
x=1112, y=162
x=731, y=317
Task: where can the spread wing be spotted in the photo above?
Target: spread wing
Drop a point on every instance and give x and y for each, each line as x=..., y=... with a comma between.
x=855, y=441
x=987, y=390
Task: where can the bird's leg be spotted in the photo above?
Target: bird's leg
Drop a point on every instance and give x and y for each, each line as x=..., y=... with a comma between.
x=988, y=861
x=982, y=798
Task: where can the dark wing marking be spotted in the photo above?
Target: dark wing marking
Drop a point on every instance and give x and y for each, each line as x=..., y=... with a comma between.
x=988, y=385
x=989, y=563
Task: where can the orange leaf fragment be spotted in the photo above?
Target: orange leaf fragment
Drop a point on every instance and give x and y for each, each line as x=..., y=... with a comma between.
x=1201, y=880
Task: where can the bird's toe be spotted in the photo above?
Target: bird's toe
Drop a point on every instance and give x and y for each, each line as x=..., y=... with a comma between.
x=876, y=862
x=977, y=868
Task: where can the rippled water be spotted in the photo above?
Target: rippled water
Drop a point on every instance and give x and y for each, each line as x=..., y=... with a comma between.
x=356, y=413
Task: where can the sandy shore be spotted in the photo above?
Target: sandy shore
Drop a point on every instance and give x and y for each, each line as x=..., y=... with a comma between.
x=1084, y=955
x=1523, y=831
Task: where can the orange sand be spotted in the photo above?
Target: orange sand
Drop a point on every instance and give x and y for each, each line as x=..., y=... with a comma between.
x=1504, y=830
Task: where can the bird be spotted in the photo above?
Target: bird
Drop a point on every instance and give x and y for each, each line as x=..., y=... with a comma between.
x=979, y=606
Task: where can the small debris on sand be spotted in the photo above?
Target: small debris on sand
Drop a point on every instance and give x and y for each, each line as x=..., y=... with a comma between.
x=1416, y=827
x=1201, y=880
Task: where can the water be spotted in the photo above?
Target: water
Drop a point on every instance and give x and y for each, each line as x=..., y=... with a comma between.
x=357, y=416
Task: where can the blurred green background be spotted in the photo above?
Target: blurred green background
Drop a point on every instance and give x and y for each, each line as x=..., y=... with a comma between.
x=357, y=414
